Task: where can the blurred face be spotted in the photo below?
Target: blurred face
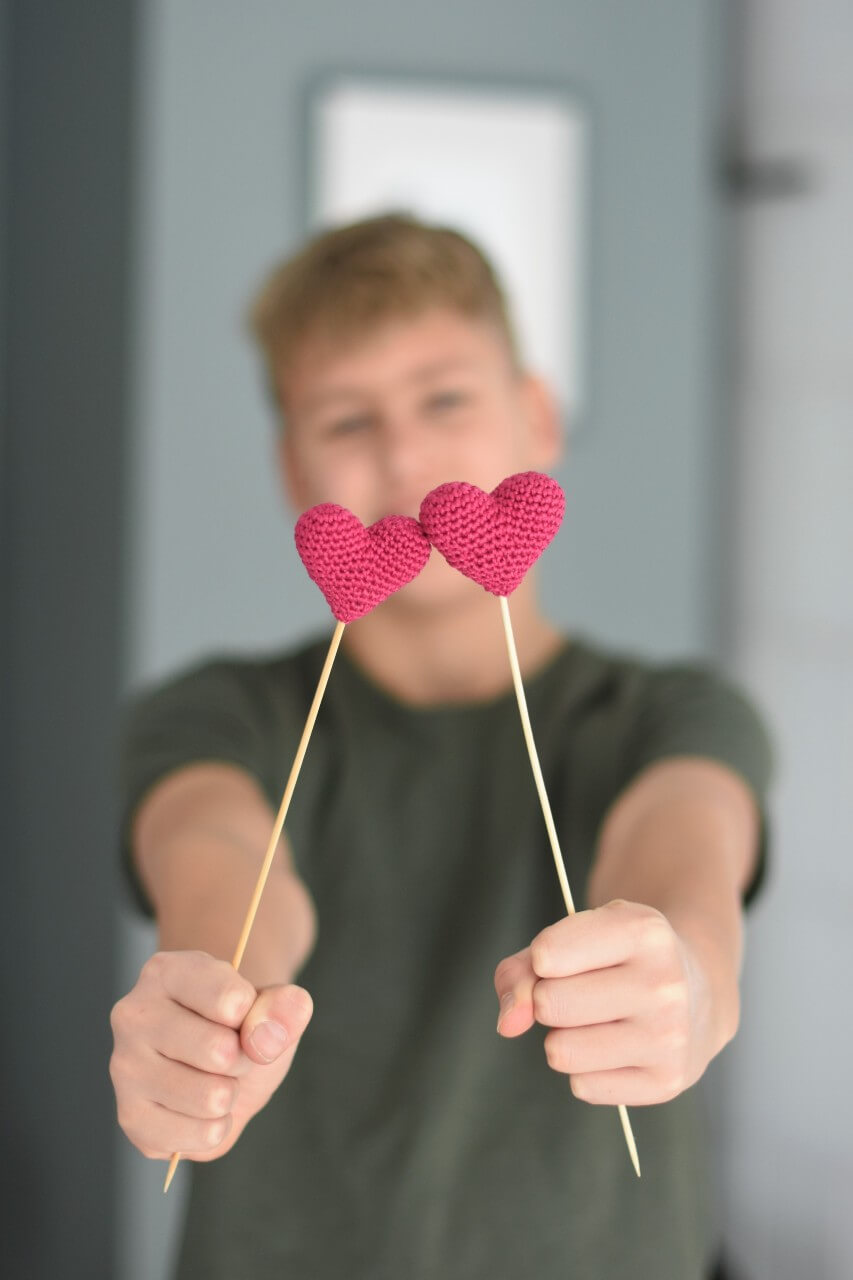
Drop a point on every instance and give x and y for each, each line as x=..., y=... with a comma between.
x=375, y=426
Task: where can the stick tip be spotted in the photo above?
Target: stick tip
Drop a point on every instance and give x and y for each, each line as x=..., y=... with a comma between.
x=629, y=1139
x=170, y=1172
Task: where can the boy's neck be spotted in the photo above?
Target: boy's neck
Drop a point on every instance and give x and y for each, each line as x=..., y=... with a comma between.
x=456, y=655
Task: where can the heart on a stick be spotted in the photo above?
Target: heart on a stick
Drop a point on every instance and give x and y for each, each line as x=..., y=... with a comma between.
x=494, y=537
x=356, y=568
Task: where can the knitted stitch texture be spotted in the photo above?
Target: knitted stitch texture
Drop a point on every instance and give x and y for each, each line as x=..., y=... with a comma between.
x=494, y=537
x=356, y=568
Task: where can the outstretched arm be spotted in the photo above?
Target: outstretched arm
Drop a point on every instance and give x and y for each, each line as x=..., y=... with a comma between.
x=198, y=842
x=641, y=990
x=199, y=1048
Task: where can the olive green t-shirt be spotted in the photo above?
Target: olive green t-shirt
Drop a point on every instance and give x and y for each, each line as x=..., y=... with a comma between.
x=409, y=1141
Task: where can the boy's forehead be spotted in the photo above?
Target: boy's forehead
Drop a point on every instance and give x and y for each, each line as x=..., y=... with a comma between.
x=401, y=350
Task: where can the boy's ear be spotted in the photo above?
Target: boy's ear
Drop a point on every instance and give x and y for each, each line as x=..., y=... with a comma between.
x=544, y=421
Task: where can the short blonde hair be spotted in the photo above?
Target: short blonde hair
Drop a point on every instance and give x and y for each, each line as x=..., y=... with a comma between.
x=351, y=279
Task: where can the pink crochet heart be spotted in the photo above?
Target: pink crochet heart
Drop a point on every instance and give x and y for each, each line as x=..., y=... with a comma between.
x=356, y=568
x=494, y=537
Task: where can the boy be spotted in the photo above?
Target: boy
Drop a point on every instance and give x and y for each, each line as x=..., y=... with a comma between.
x=408, y=1141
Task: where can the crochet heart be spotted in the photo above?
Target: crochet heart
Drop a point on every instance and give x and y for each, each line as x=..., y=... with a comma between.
x=356, y=568
x=494, y=537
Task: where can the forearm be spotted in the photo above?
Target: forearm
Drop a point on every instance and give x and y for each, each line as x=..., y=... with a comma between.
x=199, y=846
x=200, y=1049
x=206, y=912
x=683, y=841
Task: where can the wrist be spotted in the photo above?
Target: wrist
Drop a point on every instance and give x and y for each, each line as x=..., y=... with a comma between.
x=714, y=991
x=282, y=937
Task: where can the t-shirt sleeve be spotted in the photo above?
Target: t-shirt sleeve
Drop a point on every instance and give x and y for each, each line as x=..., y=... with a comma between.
x=690, y=711
x=212, y=713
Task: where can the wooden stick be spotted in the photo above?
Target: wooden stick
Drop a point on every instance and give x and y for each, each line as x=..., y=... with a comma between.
x=549, y=824
x=237, y=958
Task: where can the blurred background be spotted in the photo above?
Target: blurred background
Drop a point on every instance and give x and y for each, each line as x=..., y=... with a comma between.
x=156, y=156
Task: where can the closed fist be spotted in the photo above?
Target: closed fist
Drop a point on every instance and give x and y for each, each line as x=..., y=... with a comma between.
x=625, y=1002
x=198, y=1051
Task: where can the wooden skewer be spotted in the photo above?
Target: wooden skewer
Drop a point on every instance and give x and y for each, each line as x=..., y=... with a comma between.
x=549, y=824
x=237, y=958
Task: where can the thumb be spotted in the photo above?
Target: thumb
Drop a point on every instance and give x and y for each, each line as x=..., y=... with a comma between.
x=275, y=1022
x=514, y=983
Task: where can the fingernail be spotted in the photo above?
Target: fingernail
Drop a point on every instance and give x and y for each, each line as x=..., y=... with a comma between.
x=507, y=1002
x=268, y=1039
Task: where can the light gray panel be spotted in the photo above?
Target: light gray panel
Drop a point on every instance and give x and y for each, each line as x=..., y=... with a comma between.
x=788, y=1167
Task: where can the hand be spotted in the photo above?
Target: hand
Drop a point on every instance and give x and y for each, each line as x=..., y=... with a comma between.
x=198, y=1052
x=628, y=1006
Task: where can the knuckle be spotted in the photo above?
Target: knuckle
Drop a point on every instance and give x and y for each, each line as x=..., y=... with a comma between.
x=117, y=1070
x=543, y=1005
x=118, y=1016
x=235, y=1000
x=122, y=1074
x=152, y=970
x=555, y=1053
x=578, y=1087
x=652, y=931
x=671, y=1083
x=225, y=1049
x=214, y=1132
x=124, y=1120
x=127, y=1017
x=129, y=1123
x=133, y=1126
x=673, y=1002
x=218, y=1100
x=540, y=955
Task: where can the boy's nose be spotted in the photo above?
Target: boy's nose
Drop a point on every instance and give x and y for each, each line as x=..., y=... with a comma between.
x=405, y=460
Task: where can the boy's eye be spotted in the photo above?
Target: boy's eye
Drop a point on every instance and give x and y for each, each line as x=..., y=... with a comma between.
x=352, y=424
x=442, y=401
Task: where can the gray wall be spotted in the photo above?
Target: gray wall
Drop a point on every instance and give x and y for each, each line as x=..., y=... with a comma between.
x=222, y=190
x=222, y=193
